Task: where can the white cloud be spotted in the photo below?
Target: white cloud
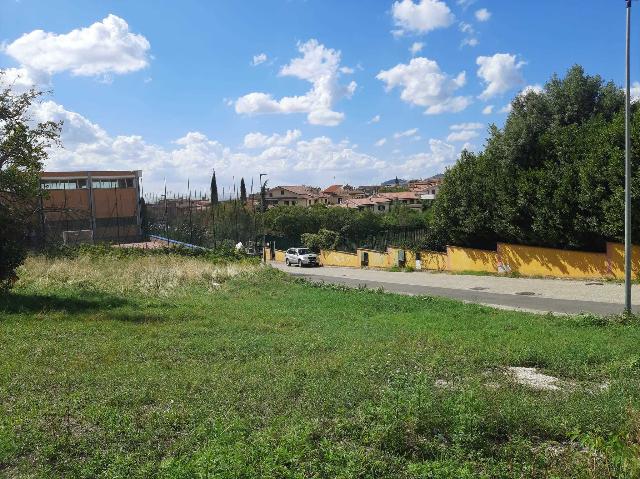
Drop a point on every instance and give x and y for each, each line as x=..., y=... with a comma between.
x=467, y=126
x=321, y=67
x=104, y=48
x=422, y=17
x=463, y=132
x=635, y=91
x=405, y=134
x=470, y=38
x=416, y=48
x=315, y=161
x=483, y=15
x=465, y=3
x=422, y=83
x=420, y=165
x=381, y=142
x=466, y=28
x=21, y=79
x=487, y=110
x=258, y=59
x=506, y=109
x=537, y=88
x=260, y=140
x=464, y=135
x=500, y=72
x=375, y=119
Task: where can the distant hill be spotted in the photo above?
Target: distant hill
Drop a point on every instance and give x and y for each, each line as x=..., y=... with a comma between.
x=393, y=182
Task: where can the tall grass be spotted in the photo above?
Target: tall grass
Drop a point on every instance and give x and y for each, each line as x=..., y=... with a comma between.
x=146, y=275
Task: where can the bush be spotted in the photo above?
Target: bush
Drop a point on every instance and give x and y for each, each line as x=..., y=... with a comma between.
x=224, y=253
x=323, y=239
x=12, y=252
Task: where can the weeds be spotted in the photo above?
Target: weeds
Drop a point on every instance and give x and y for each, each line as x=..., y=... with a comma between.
x=173, y=366
x=135, y=274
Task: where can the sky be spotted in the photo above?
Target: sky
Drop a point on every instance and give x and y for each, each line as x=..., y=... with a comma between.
x=310, y=92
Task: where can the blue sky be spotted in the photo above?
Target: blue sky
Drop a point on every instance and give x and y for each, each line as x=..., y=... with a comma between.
x=173, y=88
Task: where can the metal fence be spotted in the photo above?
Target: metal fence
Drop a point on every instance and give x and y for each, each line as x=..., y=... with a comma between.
x=194, y=220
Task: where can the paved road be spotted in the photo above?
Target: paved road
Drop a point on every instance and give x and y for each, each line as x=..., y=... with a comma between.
x=527, y=294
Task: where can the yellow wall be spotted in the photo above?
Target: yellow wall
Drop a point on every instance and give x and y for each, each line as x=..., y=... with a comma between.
x=535, y=261
x=339, y=258
x=470, y=259
x=376, y=258
x=525, y=260
x=615, y=255
x=433, y=260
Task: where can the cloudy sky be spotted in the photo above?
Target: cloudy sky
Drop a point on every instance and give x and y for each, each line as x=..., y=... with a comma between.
x=308, y=91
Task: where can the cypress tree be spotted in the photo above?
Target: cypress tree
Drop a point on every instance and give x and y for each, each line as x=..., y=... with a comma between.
x=214, y=190
x=263, y=197
x=243, y=192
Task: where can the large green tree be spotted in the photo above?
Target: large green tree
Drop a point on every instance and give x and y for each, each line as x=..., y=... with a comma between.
x=23, y=150
x=552, y=176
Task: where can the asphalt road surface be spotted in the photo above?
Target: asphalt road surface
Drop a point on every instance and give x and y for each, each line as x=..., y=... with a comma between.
x=526, y=294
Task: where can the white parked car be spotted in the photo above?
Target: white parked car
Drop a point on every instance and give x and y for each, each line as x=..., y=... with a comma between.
x=301, y=257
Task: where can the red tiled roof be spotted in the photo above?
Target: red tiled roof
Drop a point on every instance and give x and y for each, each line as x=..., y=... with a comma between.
x=301, y=190
x=333, y=189
x=357, y=202
x=400, y=195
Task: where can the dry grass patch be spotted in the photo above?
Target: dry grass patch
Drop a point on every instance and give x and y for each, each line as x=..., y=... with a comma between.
x=150, y=275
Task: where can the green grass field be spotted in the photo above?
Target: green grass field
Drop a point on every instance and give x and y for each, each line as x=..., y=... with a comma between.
x=177, y=367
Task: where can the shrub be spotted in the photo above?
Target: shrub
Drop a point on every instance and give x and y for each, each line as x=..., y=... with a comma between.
x=323, y=239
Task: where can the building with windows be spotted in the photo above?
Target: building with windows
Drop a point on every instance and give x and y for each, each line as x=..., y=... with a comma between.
x=90, y=205
x=428, y=188
x=377, y=204
x=337, y=194
x=295, y=196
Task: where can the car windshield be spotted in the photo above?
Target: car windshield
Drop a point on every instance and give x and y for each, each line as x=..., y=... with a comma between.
x=303, y=251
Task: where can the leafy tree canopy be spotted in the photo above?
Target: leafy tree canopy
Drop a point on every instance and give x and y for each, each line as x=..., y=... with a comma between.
x=553, y=176
x=23, y=150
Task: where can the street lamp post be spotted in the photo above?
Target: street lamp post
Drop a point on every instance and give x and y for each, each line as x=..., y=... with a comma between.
x=627, y=171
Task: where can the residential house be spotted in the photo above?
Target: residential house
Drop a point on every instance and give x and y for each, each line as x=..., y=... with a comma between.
x=339, y=193
x=428, y=189
x=412, y=199
x=377, y=204
x=295, y=196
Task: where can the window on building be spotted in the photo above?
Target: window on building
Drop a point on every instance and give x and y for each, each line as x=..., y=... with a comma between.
x=286, y=203
x=63, y=184
x=380, y=207
x=293, y=202
x=282, y=192
x=105, y=183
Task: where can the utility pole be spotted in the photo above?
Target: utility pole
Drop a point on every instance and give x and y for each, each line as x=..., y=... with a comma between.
x=627, y=172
